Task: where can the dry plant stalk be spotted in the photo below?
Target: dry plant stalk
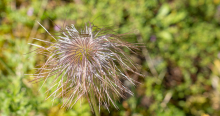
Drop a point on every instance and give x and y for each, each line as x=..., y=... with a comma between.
x=81, y=63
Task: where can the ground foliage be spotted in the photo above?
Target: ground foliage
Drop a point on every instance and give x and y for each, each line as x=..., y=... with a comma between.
x=180, y=60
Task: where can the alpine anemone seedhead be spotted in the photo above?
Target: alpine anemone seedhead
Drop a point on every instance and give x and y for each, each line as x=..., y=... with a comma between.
x=86, y=62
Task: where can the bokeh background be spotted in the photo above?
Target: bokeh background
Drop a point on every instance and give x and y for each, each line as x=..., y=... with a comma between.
x=181, y=59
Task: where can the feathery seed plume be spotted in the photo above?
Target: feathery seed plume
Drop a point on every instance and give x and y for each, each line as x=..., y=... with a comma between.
x=88, y=63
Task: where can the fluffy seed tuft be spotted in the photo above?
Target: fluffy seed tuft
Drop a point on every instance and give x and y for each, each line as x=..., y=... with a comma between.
x=86, y=62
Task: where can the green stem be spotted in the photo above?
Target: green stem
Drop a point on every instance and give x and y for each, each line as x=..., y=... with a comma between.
x=91, y=94
x=94, y=103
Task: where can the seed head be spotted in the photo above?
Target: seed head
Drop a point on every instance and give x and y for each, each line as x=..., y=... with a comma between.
x=88, y=63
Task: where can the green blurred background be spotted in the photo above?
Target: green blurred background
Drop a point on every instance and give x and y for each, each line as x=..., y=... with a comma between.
x=181, y=58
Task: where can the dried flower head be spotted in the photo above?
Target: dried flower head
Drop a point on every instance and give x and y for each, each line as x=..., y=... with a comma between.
x=89, y=63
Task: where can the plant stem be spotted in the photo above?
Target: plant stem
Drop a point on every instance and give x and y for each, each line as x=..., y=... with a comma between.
x=94, y=103
x=91, y=94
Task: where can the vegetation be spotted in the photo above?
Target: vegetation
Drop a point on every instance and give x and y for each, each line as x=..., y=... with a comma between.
x=181, y=58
